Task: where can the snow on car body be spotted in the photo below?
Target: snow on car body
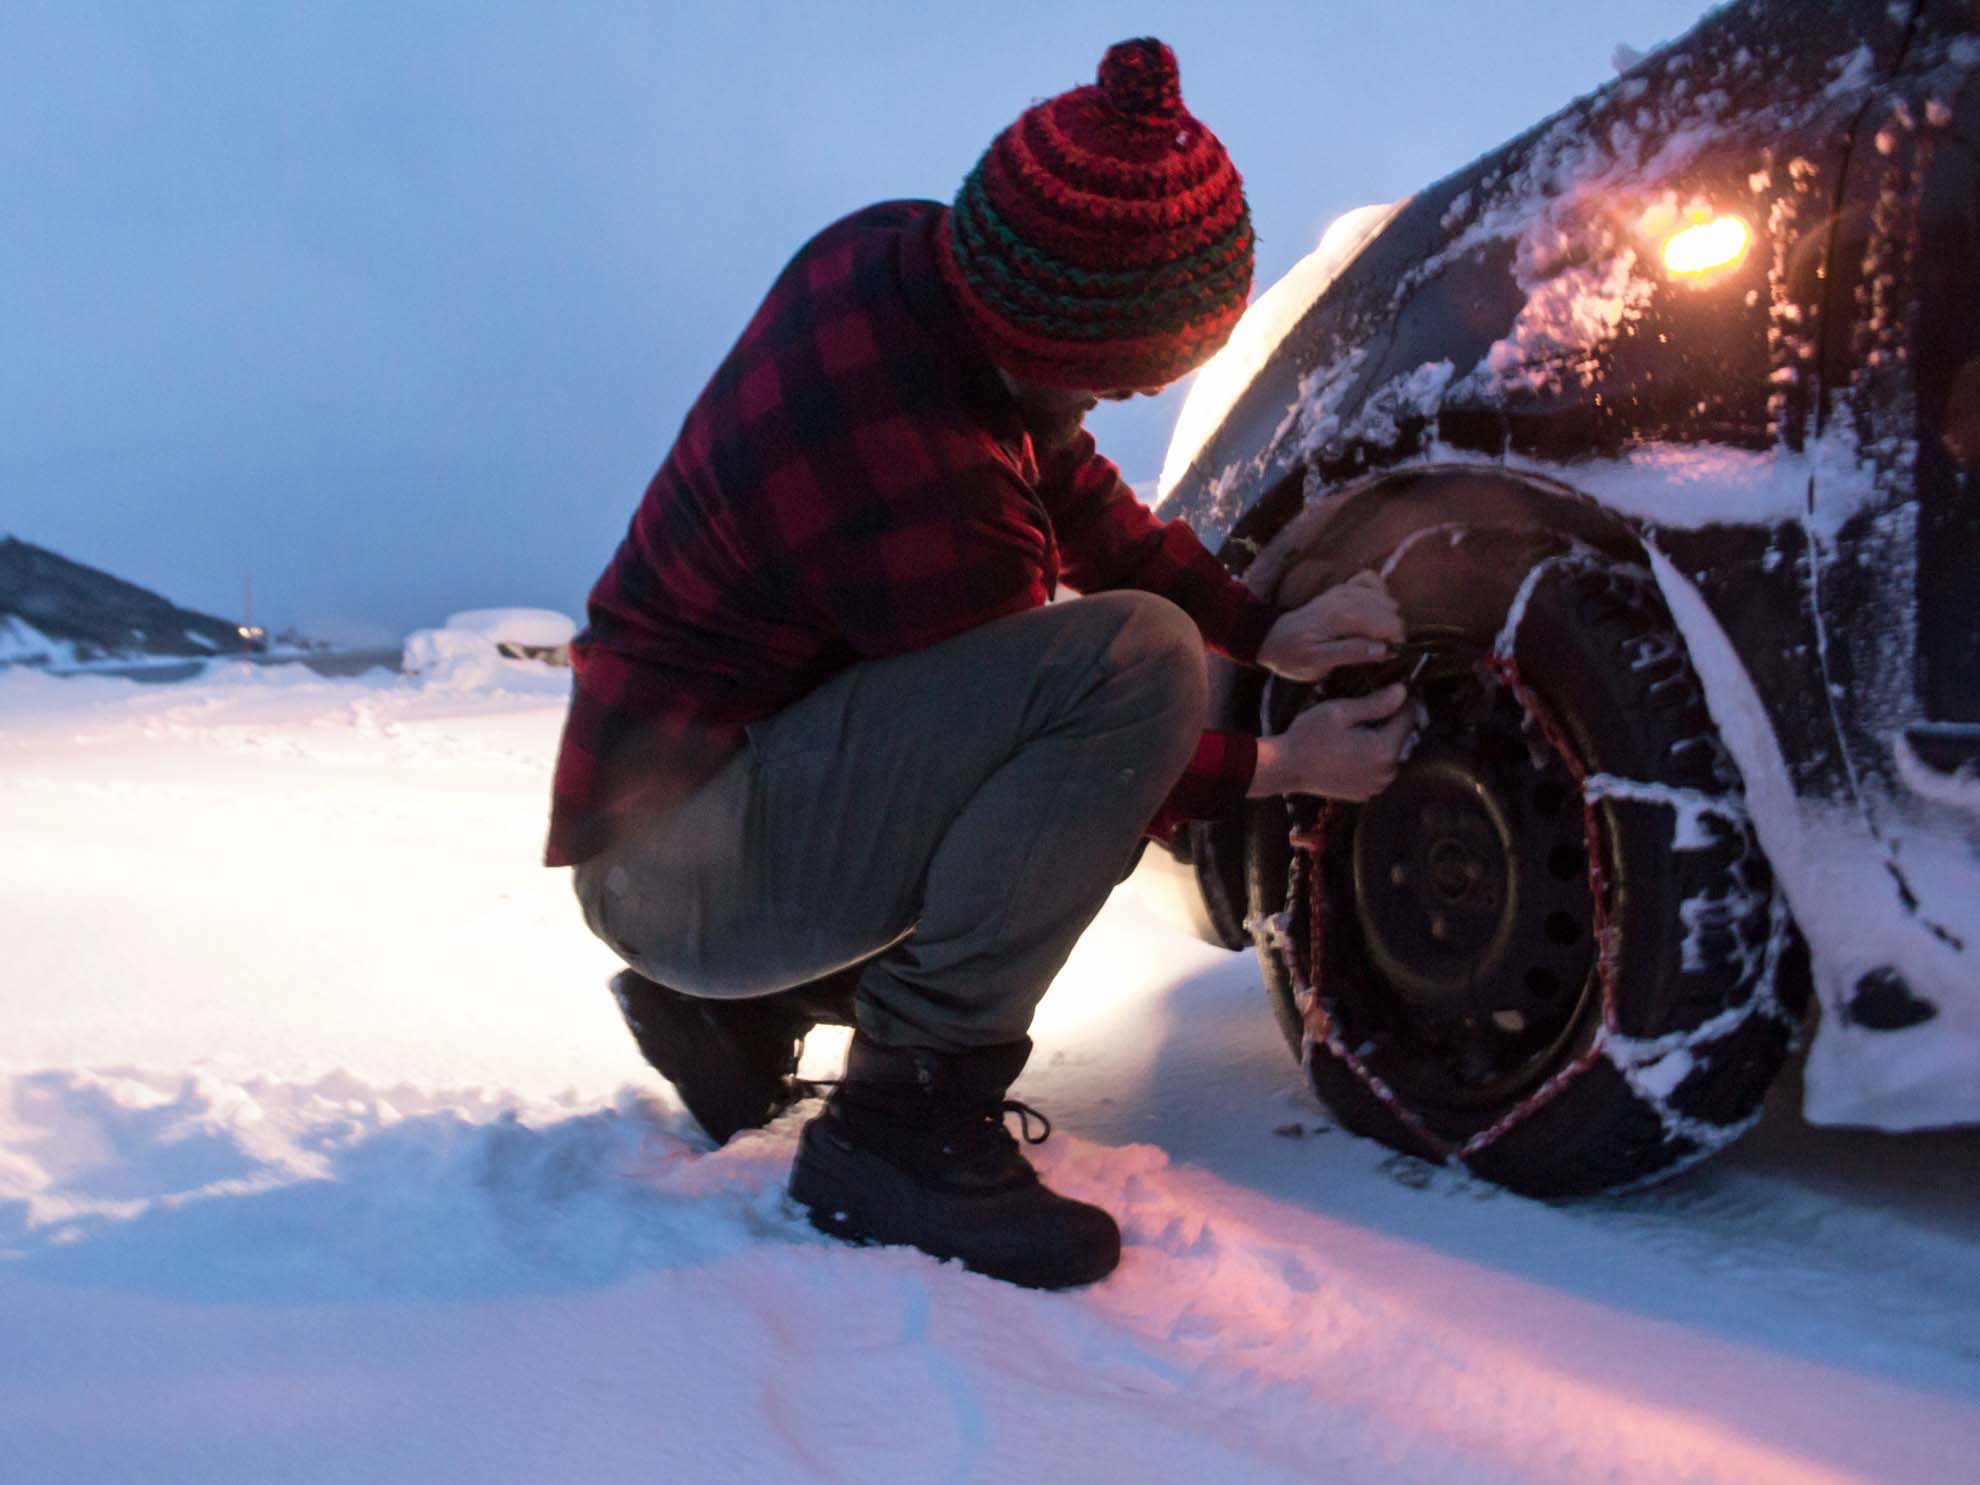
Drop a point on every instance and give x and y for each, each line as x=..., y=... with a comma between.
x=1774, y=417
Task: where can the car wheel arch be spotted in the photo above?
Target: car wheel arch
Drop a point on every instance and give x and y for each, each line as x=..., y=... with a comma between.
x=1356, y=525
x=1333, y=536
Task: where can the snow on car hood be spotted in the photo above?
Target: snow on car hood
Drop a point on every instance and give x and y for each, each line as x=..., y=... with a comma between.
x=1267, y=321
x=1579, y=206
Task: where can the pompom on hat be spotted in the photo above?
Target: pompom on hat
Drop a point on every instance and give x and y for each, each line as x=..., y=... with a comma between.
x=1103, y=240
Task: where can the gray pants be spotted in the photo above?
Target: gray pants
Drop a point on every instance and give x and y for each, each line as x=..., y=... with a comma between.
x=953, y=818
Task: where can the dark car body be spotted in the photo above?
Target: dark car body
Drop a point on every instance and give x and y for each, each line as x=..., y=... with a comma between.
x=1789, y=440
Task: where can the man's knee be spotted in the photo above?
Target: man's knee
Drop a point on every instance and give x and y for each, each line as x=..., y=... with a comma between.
x=1157, y=651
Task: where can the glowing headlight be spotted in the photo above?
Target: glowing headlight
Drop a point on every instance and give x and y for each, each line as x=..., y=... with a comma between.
x=1719, y=243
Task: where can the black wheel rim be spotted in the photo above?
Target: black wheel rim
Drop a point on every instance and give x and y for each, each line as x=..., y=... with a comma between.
x=1456, y=954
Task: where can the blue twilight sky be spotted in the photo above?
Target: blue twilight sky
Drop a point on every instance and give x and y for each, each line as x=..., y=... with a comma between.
x=396, y=304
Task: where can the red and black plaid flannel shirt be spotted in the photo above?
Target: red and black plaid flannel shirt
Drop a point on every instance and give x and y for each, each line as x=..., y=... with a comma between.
x=854, y=482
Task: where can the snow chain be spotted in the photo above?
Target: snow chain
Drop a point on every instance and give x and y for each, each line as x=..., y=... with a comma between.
x=1630, y=1056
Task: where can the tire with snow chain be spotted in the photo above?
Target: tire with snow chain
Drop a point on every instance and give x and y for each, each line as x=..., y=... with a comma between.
x=1550, y=950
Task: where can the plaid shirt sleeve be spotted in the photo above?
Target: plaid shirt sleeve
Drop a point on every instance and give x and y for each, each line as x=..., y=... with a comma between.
x=1215, y=782
x=1109, y=539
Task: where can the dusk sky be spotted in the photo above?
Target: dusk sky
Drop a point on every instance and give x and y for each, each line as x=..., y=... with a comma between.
x=397, y=305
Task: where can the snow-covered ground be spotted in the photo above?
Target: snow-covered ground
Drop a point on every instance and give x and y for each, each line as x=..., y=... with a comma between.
x=324, y=1157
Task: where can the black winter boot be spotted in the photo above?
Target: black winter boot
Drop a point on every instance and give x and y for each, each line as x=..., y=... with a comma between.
x=734, y=1062
x=912, y=1149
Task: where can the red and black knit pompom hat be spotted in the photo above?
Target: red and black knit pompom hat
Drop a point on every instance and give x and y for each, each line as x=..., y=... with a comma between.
x=1103, y=241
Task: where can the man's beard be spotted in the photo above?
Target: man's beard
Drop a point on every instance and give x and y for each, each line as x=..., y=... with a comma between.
x=1052, y=419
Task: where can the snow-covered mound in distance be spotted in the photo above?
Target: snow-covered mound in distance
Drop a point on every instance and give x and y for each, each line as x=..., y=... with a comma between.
x=323, y=1155
x=492, y=647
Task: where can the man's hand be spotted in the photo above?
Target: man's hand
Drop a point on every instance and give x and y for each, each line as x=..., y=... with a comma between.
x=1348, y=749
x=1351, y=623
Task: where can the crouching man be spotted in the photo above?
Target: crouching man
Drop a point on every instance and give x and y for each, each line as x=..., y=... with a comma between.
x=833, y=756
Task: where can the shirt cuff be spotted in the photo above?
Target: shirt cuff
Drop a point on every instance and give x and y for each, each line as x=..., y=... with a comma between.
x=1248, y=630
x=1215, y=782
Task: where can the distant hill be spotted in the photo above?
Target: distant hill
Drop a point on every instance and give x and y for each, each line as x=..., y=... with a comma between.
x=54, y=611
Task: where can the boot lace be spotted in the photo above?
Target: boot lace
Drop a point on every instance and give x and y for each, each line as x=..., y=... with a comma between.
x=990, y=1123
x=981, y=1134
x=1026, y=1113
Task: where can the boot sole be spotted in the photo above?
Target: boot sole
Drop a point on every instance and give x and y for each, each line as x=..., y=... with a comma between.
x=860, y=1198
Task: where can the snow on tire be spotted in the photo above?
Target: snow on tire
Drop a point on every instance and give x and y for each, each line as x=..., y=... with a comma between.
x=1551, y=951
